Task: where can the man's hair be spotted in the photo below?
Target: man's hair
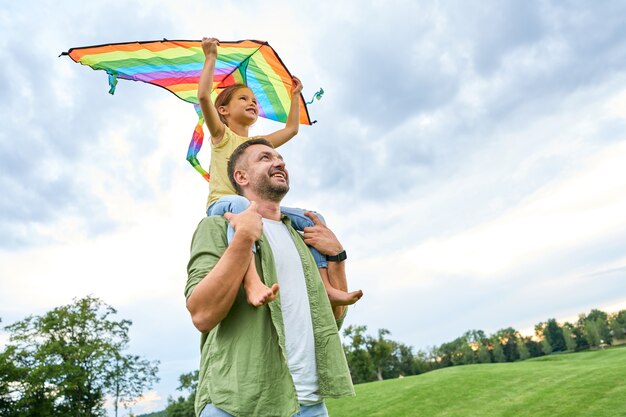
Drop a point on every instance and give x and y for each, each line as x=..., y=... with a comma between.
x=236, y=156
x=224, y=97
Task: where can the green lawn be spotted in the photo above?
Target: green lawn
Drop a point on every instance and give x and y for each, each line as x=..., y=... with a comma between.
x=574, y=384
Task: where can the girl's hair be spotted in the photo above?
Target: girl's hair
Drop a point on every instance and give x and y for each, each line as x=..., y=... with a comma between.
x=224, y=97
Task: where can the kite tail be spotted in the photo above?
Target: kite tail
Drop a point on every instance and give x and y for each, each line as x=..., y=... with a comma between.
x=196, y=144
x=317, y=96
x=112, y=82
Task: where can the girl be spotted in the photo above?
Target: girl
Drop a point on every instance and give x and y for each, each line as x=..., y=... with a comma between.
x=228, y=120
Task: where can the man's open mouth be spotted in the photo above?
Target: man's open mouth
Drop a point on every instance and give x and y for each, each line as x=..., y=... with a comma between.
x=279, y=175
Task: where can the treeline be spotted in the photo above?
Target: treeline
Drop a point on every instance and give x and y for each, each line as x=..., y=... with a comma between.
x=376, y=358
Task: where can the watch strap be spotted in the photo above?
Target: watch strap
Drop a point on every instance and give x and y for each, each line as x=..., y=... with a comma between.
x=341, y=256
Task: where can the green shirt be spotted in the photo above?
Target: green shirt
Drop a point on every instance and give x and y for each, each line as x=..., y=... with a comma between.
x=243, y=365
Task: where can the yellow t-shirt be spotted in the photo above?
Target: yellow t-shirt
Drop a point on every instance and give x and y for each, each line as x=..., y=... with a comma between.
x=219, y=184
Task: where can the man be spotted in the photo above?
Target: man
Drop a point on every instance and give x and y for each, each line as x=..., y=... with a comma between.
x=283, y=358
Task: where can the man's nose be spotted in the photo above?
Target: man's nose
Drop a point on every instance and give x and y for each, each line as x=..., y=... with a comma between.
x=279, y=163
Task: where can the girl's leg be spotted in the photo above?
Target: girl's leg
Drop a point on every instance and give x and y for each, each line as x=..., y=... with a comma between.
x=336, y=296
x=257, y=293
x=229, y=203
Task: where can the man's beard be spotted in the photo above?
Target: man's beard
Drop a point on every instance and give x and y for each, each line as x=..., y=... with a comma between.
x=268, y=190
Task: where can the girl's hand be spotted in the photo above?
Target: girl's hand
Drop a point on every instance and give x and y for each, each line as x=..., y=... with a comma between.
x=209, y=46
x=296, y=87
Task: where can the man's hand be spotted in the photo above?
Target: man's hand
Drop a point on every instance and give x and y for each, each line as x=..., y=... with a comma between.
x=247, y=224
x=321, y=237
x=209, y=46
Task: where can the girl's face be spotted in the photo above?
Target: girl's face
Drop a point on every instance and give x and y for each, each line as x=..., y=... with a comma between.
x=242, y=107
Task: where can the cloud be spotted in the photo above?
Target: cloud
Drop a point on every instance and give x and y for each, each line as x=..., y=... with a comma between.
x=556, y=251
x=57, y=116
x=516, y=72
x=581, y=209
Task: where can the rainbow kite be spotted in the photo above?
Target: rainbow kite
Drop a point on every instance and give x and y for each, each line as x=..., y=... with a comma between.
x=176, y=66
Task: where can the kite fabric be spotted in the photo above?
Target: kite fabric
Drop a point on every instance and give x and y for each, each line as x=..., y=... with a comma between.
x=176, y=65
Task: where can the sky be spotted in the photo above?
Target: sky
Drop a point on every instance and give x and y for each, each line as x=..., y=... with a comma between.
x=470, y=156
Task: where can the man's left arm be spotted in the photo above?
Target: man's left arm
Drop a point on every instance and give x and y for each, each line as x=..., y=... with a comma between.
x=324, y=240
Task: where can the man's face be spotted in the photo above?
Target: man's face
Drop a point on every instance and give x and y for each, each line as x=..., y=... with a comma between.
x=267, y=174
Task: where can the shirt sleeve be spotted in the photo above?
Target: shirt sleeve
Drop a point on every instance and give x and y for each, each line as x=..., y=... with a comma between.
x=208, y=244
x=225, y=139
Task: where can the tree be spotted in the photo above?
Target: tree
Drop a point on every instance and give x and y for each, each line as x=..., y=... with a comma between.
x=66, y=361
x=184, y=406
x=377, y=358
x=475, y=337
x=508, y=340
x=617, y=328
x=554, y=333
x=579, y=334
x=600, y=331
x=620, y=317
x=466, y=356
x=426, y=361
x=551, y=335
x=522, y=349
x=596, y=314
x=380, y=350
x=9, y=374
x=357, y=354
x=180, y=407
x=126, y=387
x=534, y=348
x=592, y=332
x=449, y=353
x=568, y=337
x=475, y=341
x=406, y=360
x=496, y=351
x=483, y=354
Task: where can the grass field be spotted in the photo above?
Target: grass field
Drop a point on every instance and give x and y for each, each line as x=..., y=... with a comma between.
x=574, y=384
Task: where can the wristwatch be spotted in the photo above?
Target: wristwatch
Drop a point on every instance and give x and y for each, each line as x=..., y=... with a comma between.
x=341, y=256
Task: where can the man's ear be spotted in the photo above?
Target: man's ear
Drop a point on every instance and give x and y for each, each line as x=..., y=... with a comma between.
x=241, y=177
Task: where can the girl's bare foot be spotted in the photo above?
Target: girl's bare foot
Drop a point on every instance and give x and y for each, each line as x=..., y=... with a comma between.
x=257, y=293
x=338, y=297
x=342, y=298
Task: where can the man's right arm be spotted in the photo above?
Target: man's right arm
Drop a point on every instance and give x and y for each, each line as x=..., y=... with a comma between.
x=213, y=296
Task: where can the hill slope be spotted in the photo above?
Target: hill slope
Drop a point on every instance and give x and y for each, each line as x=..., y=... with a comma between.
x=566, y=385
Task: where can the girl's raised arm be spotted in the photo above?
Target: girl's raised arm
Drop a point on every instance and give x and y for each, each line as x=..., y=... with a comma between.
x=293, y=119
x=211, y=117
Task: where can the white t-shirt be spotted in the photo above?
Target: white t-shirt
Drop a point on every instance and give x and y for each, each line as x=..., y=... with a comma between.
x=294, y=299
